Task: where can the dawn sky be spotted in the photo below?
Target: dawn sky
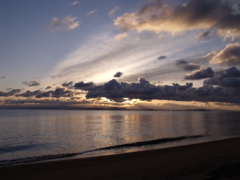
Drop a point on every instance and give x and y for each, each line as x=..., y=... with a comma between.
x=160, y=54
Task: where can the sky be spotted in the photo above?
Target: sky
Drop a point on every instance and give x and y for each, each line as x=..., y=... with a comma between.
x=138, y=54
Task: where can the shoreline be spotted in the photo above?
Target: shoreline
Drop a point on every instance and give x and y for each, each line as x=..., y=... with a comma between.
x=183, y=162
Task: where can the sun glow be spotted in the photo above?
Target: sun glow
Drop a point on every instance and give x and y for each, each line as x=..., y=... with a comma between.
x=129, y=101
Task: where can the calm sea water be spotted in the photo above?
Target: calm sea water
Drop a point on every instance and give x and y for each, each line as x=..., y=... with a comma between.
x=37, y=135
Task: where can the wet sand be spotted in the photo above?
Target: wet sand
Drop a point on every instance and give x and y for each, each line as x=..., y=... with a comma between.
x=182, y=163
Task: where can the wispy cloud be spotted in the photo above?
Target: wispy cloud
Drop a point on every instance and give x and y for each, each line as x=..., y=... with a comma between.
x=74, y=3
x=91, y=12
x=114, y=10
x=66, y=23
x=120, y=36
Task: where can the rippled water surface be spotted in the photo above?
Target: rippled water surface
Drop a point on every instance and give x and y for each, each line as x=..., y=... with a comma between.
x=40, y=133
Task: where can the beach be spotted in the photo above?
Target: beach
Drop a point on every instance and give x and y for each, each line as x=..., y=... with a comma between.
x=184, y=162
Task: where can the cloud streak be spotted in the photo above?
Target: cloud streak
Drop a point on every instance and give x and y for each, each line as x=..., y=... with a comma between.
x=91, y=12
x=74, y=3
x=114, y=10
x=66, y=23
x=121, y=36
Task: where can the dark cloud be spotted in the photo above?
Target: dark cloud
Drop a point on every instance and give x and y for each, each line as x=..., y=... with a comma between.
x=33, y=82
x=29, y=93
x=53, y=77
x=230, y=83
x=10, y=93
x=3, y=77
x=83, y=86
x=68, y=84
x=144, y=90
x=220, y=15
x=200, y=74
x=46, y=103
x=186, y=66
x=228, y=77
x=61, y=92
x=118, y=74
x=227, y=73
x=48, y=87
x=57, y=93
x=162, y=57
x=205, y=36
x=230, y=55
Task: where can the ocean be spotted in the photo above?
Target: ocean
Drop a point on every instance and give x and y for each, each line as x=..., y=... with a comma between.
x=28, y=136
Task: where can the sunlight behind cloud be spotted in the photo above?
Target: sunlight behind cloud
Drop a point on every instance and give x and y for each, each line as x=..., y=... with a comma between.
x=102, y=56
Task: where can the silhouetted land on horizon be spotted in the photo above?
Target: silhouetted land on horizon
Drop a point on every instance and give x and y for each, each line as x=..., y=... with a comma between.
x=92, y=108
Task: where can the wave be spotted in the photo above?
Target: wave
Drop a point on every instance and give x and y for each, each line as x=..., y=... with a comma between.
x=36, y=159
x=151, y=142
x=7, y=149
x=128, y=145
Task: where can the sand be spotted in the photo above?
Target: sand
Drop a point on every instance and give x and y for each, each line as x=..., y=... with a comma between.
x=181, y=163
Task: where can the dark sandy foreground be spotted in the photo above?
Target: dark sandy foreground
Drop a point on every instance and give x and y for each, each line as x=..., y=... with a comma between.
x=186, y=162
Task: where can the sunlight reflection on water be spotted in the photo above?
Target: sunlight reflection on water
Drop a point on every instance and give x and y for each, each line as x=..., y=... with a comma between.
x=29, y=133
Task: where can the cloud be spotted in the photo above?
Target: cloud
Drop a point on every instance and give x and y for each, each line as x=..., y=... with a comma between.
x=49, y=103
x=120, y=36
x=228, y=77
x=193, y=15
x=3, y=77
x=66, y=23
x=200, y=74
x=33, y=82
x=48, y=87
x=210, y=55
x=53, y=77
x=162, y=57
x=57, y=93
x=227, y=73
x=74, y=3
x=186, y=66
x=227, y=83
x=144, y=90
x=83, y=86
x=68, y=84
x=10, y=93
x=230, y=55
x=114, y=10
x=91, y=12
x=118, y=74
x=204, y=36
